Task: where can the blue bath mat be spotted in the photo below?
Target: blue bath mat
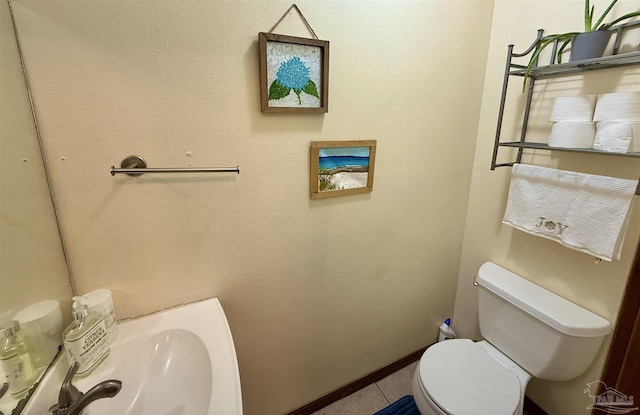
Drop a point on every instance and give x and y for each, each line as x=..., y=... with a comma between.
x=403, y=406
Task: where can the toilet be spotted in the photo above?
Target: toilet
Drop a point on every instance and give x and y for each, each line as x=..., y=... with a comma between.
x=528, y=332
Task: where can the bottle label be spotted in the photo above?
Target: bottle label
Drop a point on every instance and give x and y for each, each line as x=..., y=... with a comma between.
x=90, y=349
x=110, y=324
x=108, y=313
x=19, y=373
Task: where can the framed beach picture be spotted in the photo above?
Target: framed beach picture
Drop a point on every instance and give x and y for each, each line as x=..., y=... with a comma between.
x=294, y=74
x=342, y=167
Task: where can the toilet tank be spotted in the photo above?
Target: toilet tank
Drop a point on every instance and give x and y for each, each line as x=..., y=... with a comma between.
x=547, y=335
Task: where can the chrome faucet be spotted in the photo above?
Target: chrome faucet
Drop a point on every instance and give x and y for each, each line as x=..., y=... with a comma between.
x=71, y=401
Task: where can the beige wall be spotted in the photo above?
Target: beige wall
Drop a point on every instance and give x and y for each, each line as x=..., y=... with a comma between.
x=573, y=275
x=318, y=293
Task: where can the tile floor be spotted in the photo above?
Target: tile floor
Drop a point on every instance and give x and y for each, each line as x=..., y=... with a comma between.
x=374, y=397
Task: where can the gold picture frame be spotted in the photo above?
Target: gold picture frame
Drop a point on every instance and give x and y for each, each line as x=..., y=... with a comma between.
x=341, y=168
x=294, y=74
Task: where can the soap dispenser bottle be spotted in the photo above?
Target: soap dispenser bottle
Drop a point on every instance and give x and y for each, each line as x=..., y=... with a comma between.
x=16, y=361
x=86, y=338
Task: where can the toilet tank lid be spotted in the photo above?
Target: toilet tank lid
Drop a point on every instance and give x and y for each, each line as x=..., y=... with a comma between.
x=555, y=311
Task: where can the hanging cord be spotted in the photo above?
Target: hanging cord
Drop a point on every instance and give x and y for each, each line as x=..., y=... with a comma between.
x=293, y=6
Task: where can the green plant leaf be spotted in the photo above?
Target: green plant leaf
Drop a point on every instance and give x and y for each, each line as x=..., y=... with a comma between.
x=311, y=89
x=544, y=42
x=298, y=91
x=561, y=50
x=604, y=14
x=277, y=91
x=606, y=26
x=588, y=16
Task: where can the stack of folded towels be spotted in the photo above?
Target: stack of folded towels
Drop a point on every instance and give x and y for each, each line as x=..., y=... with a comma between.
x=607, y=122
x=618, y=119
x=573, y=125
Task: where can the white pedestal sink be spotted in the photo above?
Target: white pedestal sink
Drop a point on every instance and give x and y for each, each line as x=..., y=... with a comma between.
x=180, y=361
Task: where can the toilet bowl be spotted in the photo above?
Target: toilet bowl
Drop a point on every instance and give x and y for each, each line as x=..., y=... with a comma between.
x=465, y=377
x=528, y=331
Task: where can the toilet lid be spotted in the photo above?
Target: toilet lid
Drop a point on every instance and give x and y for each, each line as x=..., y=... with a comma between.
x=461, y=378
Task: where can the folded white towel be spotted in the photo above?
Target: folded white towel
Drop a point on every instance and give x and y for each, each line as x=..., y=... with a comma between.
x=578, y=108
x=576, y=134
x=618, y=106
x=613, y=136
x=585, y=212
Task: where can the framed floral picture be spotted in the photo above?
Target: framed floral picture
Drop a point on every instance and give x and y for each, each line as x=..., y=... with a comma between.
x=294, y=74
x=342, y=167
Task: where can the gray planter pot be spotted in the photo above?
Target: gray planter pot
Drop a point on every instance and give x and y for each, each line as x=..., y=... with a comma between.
x=589, y=45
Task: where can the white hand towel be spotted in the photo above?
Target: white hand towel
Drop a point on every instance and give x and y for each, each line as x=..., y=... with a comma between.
x=578, y=134
x=618, y=106
x=613, y=136
x=578, y=108
x=585, y=212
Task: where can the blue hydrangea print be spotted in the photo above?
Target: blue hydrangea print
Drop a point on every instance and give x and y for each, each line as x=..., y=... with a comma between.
x=292, y=74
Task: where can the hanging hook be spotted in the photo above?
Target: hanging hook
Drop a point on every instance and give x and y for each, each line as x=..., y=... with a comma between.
x=294, y=6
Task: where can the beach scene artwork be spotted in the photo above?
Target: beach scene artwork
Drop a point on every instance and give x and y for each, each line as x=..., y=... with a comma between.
x=342, y=167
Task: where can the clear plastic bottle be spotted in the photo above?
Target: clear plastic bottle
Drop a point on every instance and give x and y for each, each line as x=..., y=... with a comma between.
x=16, y=360
x=86, y=338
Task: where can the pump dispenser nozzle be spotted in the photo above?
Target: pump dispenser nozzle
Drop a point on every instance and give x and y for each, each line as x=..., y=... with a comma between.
x=80, y=310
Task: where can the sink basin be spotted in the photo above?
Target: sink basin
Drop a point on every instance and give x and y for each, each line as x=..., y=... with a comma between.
x=171, y=363
x=180, y=361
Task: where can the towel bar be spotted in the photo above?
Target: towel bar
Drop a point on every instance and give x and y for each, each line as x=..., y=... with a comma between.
x=136, y=166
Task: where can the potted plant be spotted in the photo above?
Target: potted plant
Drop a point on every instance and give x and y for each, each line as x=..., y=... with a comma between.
x=590, y=43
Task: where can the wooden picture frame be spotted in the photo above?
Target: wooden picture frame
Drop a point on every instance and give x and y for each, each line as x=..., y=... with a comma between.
x=341, y=168
x=294, y=74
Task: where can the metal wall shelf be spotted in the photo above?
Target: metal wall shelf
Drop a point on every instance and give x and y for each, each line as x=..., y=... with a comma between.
x=561, y=69
x=554, y=69
x=545, y=146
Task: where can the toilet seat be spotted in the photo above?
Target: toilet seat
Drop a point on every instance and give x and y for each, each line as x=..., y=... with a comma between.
x=462, y=378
